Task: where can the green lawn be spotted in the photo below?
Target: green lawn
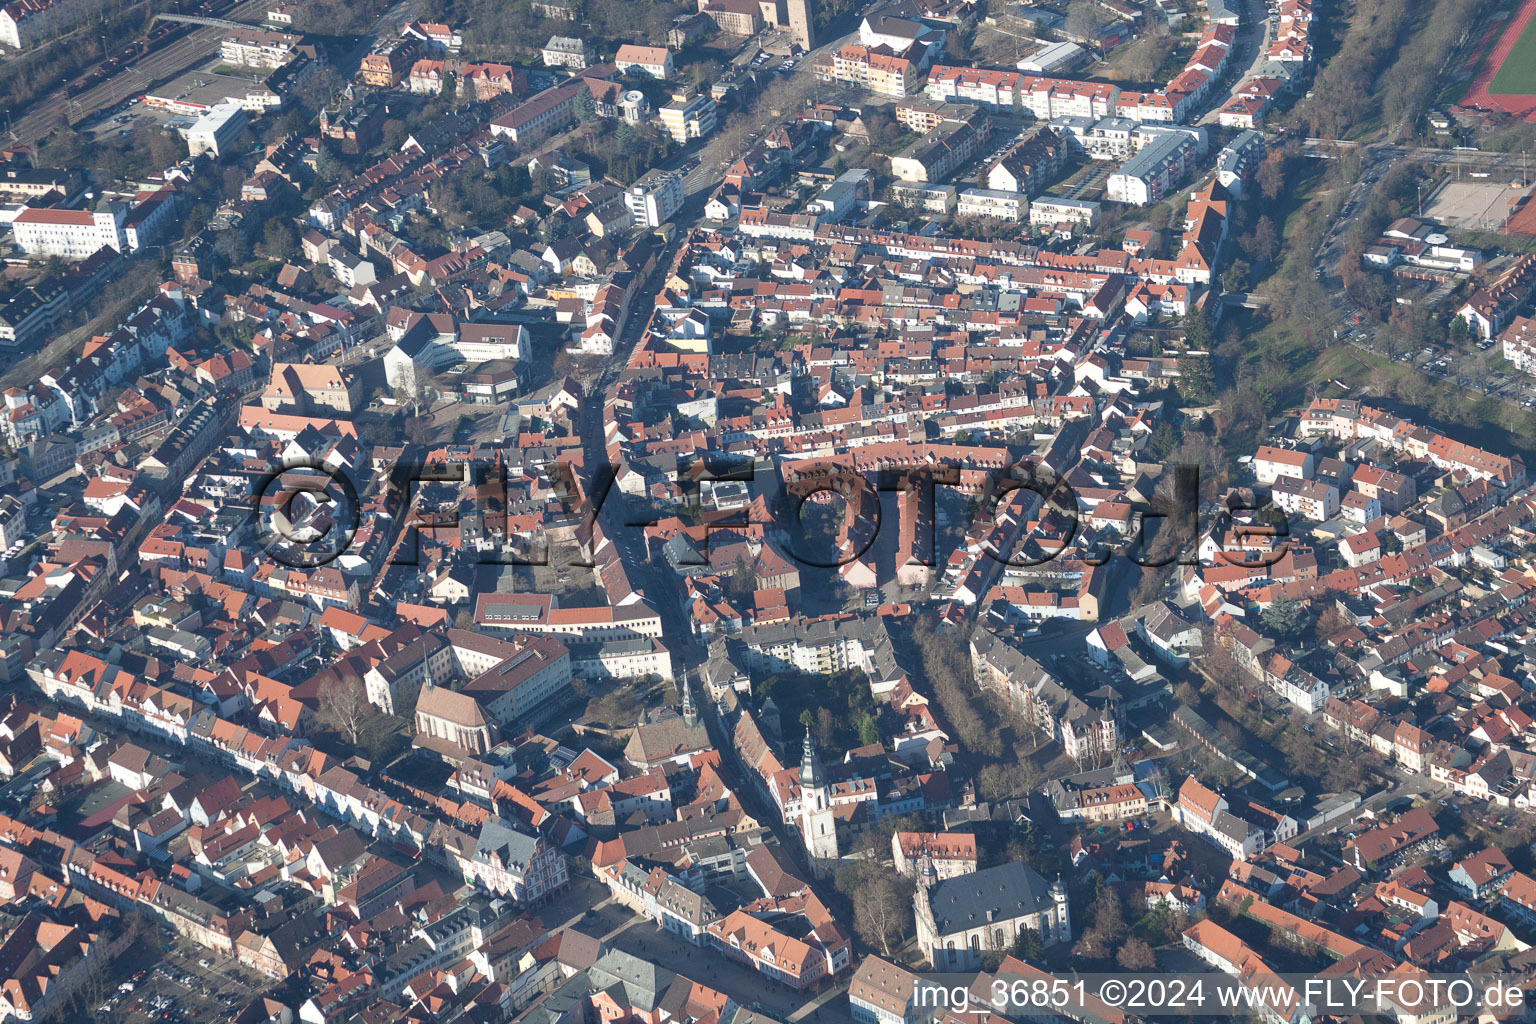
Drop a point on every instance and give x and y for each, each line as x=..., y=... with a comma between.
x=1517, y=75
x=1455, y=88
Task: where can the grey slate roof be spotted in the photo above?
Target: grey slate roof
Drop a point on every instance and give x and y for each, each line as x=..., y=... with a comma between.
x=511, y=846
x=643, y=983
x=1008, y=891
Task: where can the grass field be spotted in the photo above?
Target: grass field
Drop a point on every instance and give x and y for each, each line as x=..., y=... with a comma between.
x=1517, y=75
x=1454, y=89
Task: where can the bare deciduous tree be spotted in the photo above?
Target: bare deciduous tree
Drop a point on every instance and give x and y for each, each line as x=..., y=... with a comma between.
x=344, y=707
x=882, y=903
x=1136, y=955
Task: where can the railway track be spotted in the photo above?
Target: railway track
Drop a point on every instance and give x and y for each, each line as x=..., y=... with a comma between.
x=168, y=55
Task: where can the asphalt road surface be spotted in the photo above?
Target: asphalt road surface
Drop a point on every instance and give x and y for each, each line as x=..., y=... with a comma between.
x=1254, y=35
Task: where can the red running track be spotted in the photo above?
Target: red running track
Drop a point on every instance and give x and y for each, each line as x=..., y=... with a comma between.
x=1478, y=97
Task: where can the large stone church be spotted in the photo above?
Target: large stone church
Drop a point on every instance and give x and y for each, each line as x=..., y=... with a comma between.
x=960, y=919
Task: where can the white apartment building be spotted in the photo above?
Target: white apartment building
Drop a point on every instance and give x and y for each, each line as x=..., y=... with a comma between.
x=654, y=198
x=350, y=269
x=686, y=118
x=71, y=234
x=994, y=203
x=983, y=86
x=1054, y=97
x=1048, y=211
x=1520, y=343
x=257, y=48
x=916, y=195
x=1153, y=172
x=1104, y=138
x=1309, y=499
x=24, y=22
x=1043, y=96
x=1271, y=463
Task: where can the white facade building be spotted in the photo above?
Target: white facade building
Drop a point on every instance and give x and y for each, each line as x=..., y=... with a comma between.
x=654, y=197
x=256, y=48
x=214, y=132
x=24, y=22
x=70, y=234
x=1153, y=172
x=995, y=203
x=565, y=52
x=1520, y=343
x=686, y=118
x=1048, y=211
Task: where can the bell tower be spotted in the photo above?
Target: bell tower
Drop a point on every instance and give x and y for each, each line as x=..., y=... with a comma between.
x=1063, y=911
x=922, y=912
x=818, y=827
x=690, y=713
x=802, y=21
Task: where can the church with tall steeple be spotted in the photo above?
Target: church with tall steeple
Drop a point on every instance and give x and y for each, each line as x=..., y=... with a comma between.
x=818, y=826
x=668, y=734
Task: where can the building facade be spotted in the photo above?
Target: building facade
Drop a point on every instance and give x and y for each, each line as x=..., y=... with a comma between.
x=511, y=862
x=961, y=919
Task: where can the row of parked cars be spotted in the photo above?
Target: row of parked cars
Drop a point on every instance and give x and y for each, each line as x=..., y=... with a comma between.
x=765, y=58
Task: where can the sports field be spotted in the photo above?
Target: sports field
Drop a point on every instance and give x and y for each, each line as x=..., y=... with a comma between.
x=1472, y=205
x=1506, y=80
x=1517, y=75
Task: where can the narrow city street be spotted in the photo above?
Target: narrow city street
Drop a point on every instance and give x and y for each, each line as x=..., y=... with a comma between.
x=1252, y=42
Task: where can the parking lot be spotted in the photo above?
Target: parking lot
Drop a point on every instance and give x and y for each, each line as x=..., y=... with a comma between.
x=1451, y=366
x=774, y=63
x=188, y=984
x=131, y=116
